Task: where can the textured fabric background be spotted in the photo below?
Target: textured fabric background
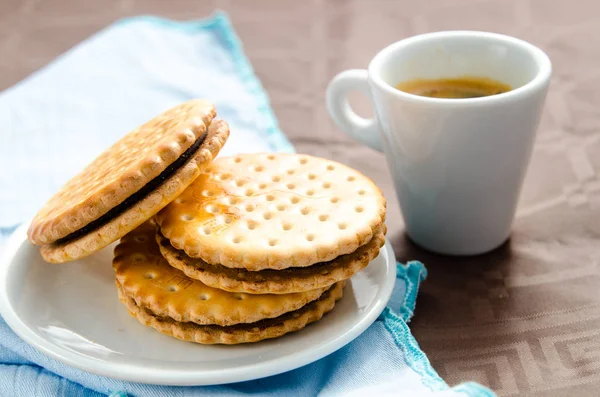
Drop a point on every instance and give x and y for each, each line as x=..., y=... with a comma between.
x=525, y=319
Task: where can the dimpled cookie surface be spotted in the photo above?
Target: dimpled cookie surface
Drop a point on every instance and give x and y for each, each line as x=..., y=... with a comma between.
x=273, y=211
x=146, y=277
x=145, y=206
x=121, y=170
x=237, y=333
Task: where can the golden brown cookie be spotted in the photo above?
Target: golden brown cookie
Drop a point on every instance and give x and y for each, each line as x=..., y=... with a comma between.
x=129, y=183
x=273, y=211
x=239, y=333
x=293, y=279
x=146, y=277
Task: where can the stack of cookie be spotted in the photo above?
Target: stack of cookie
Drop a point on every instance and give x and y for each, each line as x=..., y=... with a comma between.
x=259, y=245
x=244, y=248
x=164, y=298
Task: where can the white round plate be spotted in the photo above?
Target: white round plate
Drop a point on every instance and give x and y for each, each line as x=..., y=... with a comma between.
x=71, y=313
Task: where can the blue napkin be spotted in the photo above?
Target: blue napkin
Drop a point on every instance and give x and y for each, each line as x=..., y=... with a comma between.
x=62, y=116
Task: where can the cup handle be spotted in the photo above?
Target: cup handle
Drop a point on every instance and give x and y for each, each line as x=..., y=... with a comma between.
x=362, y=129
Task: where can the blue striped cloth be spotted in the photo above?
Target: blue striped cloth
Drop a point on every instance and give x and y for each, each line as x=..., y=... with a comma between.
x=65, y=114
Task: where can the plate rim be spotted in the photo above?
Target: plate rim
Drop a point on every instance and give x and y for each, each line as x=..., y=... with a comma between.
x=134, y=373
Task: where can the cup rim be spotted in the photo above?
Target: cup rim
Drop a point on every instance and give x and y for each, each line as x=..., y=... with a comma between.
x=539, y=56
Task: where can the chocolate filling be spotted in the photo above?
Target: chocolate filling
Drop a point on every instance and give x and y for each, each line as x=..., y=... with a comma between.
x=324, y=268
x=137, y=196
x=261, y=324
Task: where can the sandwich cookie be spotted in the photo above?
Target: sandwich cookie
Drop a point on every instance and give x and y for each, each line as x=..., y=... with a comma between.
x=239, y=333
x=273, y=211
x=292, y=279
x=146, y=277
x=129, y=183
x=164, y=298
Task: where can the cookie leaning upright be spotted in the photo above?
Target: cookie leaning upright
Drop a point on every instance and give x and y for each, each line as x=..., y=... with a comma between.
x=129, y=183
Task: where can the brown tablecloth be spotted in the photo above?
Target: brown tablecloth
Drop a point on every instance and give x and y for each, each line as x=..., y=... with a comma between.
x=525, y=319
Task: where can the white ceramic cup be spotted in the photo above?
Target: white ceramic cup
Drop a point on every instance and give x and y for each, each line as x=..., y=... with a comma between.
x=458, y=164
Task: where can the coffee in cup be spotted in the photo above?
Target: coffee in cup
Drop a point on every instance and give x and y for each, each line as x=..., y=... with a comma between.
x=455, y=87
x=457, y=164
